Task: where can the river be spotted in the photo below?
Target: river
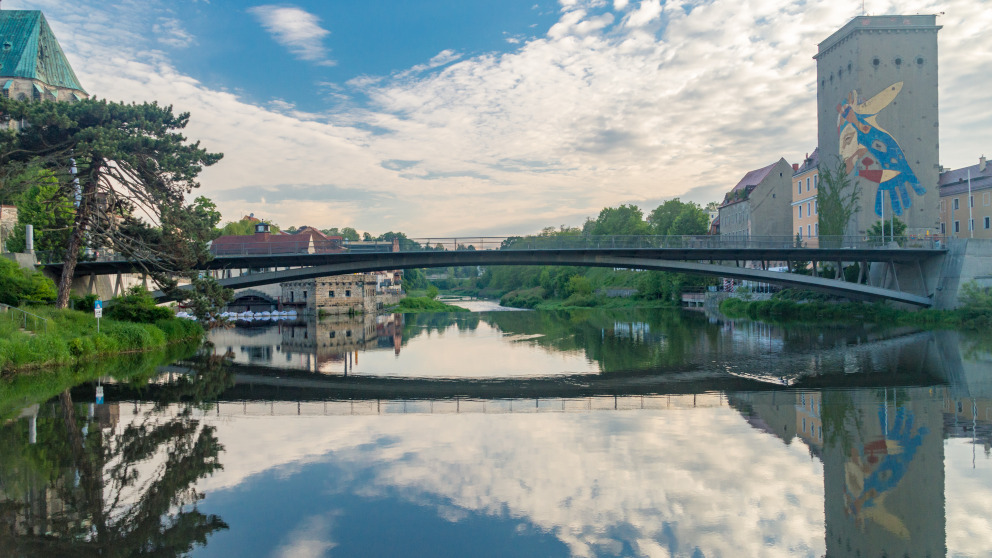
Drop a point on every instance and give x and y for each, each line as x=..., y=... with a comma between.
x=580, y=433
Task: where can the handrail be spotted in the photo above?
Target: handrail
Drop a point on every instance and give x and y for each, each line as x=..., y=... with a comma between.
x=26, y=314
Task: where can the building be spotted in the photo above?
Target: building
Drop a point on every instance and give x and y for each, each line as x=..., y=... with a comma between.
x=966, y=201
x=338, y=294
x=307, y=240
x=759, y=204
x=32, y=64
x=805, y=211
x=877, y=116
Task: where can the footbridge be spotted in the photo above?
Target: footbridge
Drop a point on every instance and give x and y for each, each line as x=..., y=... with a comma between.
x=905, y=271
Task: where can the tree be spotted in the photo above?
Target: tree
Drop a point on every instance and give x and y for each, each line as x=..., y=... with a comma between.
x=675, y=217
x=244, y=227
x=46, y=209
x=622, y=220
x=838, y=201
x=128, y=168
x=882, y=230
x=22, y=285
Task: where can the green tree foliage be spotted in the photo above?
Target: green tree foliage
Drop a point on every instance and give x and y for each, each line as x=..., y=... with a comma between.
x=622, y=220
x=244, y=227
x=346, y=233
x=137, y=305
x=46, y=208
x=130, y=169
x=19, y=286
x=884, y=229
x=838, y=200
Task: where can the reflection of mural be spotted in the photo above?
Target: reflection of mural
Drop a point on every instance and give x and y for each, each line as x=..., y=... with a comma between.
x=878, y=466
x=882, y=160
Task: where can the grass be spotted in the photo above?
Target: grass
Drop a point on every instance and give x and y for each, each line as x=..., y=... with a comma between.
x=71, y=337
x=419, y=304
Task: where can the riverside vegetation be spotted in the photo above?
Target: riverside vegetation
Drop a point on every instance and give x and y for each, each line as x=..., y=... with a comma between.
x=790, y=305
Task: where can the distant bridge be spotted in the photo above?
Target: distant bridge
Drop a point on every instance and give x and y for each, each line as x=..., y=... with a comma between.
x=910, y=270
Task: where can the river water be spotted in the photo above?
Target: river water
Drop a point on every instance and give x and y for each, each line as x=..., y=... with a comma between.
x=584, y=433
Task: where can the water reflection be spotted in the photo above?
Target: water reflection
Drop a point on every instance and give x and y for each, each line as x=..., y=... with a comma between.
x=818, y=443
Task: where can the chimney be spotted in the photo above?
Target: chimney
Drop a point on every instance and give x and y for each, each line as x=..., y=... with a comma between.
x=262, y=229
x=981, y=164
x=795, y=167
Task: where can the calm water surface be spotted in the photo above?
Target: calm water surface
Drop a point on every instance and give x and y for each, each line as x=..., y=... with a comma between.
x=591, y=433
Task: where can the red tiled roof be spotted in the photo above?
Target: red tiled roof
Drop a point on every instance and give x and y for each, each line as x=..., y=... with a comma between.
x=308, y=241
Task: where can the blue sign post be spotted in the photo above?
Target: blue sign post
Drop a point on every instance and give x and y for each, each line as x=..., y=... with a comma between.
x=98, y=312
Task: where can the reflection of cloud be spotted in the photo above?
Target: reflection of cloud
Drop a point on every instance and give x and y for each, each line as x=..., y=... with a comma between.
x=672, y=480
x=308, y=540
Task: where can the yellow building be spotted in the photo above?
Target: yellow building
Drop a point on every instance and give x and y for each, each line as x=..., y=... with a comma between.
x=805, y=211
x=965, y=215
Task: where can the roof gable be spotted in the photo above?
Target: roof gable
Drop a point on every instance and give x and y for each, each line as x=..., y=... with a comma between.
x=29, y=49
x=754, y=177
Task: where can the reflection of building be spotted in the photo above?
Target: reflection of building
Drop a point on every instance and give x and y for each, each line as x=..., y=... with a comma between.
x=883, y=463
x=805, y=210
x=966, y=201
x=759, y=204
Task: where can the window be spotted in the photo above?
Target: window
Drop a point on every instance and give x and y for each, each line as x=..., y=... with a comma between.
x=809, y=228
x=799, y=187
x=985, y=198
x=800, y=212
x=304, y=295
x=800, y=232
x=331, y=335
x=941, y=206
x=955, y=205
x=807, y=184
x=943, y=229
x=986, y=222
x=971, y=224
x=816, y=229
x=808, y=204
x=815, y=181
x=347, y=292
x=957, y=226
x=971, y=201
x=292, y=294
x=816, y=207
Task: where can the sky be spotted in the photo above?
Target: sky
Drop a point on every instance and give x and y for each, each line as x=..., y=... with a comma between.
x=452, y=118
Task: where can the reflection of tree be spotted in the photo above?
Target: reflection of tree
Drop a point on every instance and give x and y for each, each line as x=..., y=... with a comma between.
x=110, y=491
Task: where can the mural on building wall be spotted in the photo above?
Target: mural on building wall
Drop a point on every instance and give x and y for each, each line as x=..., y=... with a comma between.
x=865, y=144
x=878, y=466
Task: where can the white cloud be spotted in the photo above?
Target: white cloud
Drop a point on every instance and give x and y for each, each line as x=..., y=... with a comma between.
x=170, y=32
x=591, y=114
x=295, y=29
x=309, y=540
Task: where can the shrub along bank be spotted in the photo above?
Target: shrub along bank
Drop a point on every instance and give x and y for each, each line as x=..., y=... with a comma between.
x=416, y=304
x=975, y=311
x=71, y=336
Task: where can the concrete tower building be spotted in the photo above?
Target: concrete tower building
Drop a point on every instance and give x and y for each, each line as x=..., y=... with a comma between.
x=877, y=116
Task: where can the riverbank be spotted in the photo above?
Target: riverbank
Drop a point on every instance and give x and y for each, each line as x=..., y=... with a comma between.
x=975, y=312
x=534, y=299
x=58, y=337
x=418, y=304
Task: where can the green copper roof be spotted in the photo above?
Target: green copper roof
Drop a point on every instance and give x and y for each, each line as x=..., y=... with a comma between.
x=29, y=49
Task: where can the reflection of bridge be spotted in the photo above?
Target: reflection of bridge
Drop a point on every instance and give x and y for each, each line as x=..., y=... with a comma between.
x=909, y=273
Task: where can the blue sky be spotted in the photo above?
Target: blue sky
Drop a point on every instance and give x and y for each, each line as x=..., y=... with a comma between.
x=447, y=118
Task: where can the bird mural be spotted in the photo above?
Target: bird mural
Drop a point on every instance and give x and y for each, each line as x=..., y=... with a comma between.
x=870, y=148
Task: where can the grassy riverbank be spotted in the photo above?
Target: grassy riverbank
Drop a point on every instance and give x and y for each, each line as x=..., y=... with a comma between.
x=536, y=298
x=418, y=304
x=70, y=336
x=975, y=311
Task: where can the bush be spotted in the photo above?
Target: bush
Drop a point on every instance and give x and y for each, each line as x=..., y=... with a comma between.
x=138, y=306
x=18, y=285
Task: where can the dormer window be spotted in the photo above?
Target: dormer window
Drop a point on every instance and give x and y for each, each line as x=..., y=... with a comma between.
x=262, y=228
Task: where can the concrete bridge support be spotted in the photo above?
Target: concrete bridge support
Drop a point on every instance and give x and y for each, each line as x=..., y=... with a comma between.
x=967, y=259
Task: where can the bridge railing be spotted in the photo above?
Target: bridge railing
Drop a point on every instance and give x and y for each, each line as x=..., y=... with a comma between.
x=290, y=246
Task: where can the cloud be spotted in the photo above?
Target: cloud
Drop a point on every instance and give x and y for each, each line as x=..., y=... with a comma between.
x=170, y=32
x=602, y=111
x=295, y=29
x=309, y=540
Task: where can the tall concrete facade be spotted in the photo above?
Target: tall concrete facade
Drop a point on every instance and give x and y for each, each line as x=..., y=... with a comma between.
x=877, y=116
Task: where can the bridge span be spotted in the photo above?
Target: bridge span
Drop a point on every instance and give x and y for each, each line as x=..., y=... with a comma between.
x=910, y=269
